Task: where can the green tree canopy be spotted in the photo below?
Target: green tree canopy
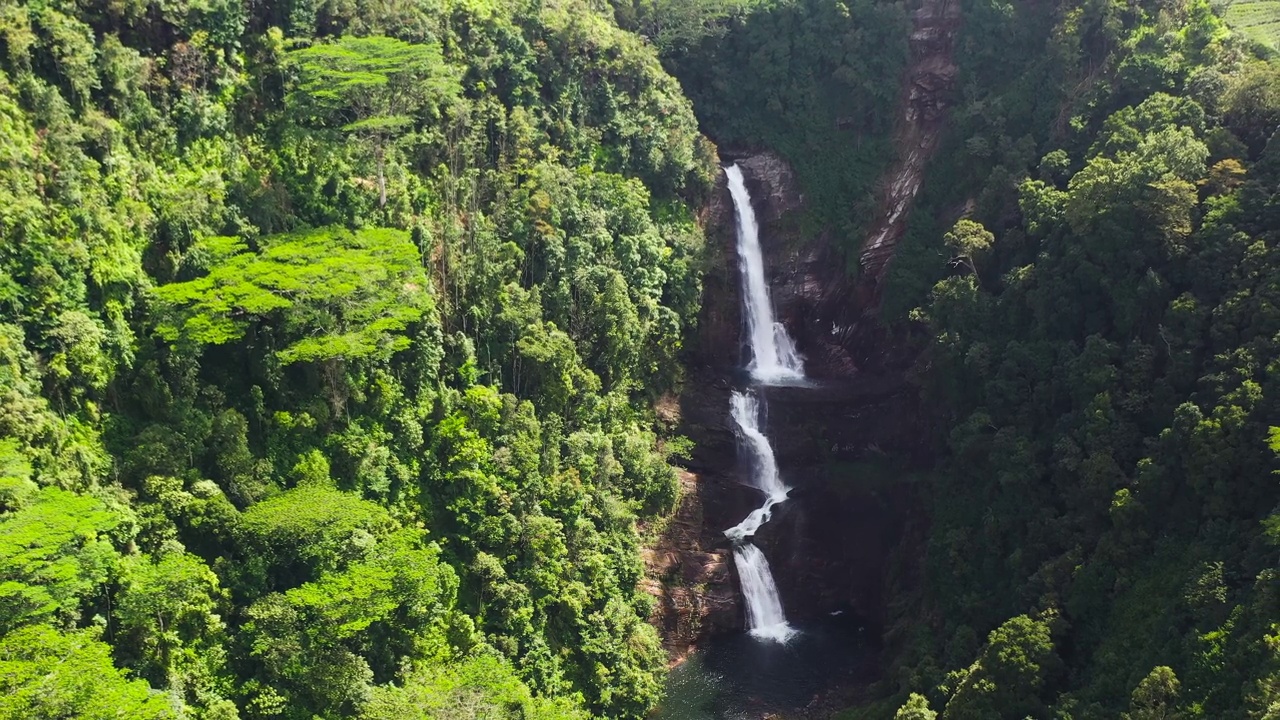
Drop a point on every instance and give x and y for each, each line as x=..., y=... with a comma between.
x=1009, y=675
x=53, y=554
x=372, y=87
x=483, y=687
x=915, y=708
x=1156, y=697
x=321, y=643
x=51, y=675
x=331, y=293
x=302, y=533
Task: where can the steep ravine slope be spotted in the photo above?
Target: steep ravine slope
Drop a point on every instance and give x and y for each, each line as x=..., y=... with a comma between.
x=1102, y=538
x=833, y=547
x=830, y=546
x=925, y=98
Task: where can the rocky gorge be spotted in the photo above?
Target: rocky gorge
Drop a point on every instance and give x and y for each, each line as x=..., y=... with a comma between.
x=851, y=533
x=833, y=543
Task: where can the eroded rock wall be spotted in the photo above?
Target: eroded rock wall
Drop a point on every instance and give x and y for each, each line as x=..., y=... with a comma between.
x=688, y=572
x=831, y=544
x=926, y=94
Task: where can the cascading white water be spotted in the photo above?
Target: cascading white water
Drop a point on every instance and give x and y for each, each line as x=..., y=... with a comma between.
x=745, y=409
x=774, y=362
x=774, y=359
x=764, y=609
x=764, y=468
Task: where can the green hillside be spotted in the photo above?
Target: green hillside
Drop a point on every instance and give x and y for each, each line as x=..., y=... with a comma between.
x=1258, y=20
x=332, y=335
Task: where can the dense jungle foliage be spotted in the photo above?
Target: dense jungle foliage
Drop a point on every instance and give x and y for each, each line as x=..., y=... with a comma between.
x=329, y=333
x=1104, y=531
x=1094, y=262
x=817, y=81
x=1103, y=538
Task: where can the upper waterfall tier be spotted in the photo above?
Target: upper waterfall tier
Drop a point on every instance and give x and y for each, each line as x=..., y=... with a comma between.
x=774, y=359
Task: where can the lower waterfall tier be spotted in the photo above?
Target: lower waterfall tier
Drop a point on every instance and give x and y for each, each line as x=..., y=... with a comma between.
x=764, y=608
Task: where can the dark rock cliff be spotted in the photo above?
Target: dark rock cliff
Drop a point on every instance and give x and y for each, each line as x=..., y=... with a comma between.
x=850, y=535
x=831, y=543
x=688, y=573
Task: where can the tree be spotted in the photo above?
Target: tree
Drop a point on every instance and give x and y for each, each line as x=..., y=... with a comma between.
x=17, y=489
x=1225, y=176
x=916, y=708
x=623, y=654
x=50, y=675
x=1010, y=673
x=53, y=554
x=373, y=86
x=1156, y=697
x=676, y=26
x=339, y=293
x=334, y=295
x=166, y=611
x=1252, y=104
x=302, y=533
x=324, y=641
x=482, y=687
x=968, y=240
x=555, y=375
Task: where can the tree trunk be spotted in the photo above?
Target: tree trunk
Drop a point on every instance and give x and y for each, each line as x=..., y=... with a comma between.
x=382, y=180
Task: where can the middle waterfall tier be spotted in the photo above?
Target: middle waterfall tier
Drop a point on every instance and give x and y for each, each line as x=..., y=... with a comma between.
x=764, y=467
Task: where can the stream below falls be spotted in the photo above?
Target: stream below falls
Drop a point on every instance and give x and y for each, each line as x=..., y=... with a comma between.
x=740, y=677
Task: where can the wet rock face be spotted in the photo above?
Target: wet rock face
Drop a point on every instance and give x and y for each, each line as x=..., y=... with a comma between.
x=774, y=191
x=832, y=544
x=792, y=263
x=689, y=577
x=720, y=319
x=925, y=98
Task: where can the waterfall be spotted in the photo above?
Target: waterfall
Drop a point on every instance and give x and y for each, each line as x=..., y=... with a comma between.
x=774, y=359
x=746, y=413
x=763, y=606
x=764, y=468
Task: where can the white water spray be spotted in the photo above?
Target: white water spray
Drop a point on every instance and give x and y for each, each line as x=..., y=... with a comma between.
x=774, y=362
x=774, y=359
x=764, y=609
x=745, y=409
x=764, y=468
